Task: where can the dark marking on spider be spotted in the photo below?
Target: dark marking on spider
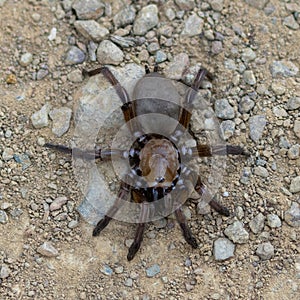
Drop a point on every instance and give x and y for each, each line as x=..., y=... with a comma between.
x=156, y=160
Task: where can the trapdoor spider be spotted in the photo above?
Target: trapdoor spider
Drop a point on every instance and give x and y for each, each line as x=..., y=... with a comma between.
x=156, y=169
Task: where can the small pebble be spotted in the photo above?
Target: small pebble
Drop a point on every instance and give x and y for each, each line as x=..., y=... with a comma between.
x=223, y=109
x=223, y=249
x=265, y=251
x=292, y=215
x=257, y=124
x=295, y=185
x=273, y=221
x=192, y=26
x=47, y=249
x=109, y=53
x=26, y=59
x=153, y=270
x=257, y=223
x=146, y=19
x=237, y=233
x=74, y=56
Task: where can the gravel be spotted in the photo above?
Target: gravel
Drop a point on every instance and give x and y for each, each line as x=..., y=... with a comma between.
x=45, y=46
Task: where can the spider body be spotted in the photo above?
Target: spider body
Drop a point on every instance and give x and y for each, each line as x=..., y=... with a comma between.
x=156, y=172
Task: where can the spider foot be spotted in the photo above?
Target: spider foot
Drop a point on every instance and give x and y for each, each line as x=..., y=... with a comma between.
x=188, y=236
x=101, y=225
x=222, y=210
x=133, y=250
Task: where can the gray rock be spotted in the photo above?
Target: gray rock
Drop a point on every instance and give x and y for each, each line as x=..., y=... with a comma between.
x=239, y=212
x=297, y=128
x=273, y=221
x=283, y=68
x=106, y=270
x=47, y=249
x=23, y=159
x=249, y=77
x=223, y=249
x=125, y=16
x=193, y=25
x=153, y=270
x=4, y=271
x=203, y=208
x=223, y=109
x=123, y=42
x=245, y=178
x=284, y=142
x=146, y=19
x=261, y=171
x=26, y=59
x=294, y=152
x=74, y=56
x=153, y=47
x=216, y=47
x=256, y=125
x=75, y=76
x=185, y=4
x=293, y=103
x=92, y=48
x=73, y=224
x=176, y=68
x=279, y=112
x=290, y=22
x=40, y=118
x=160, y=56
x=41, y=74
x=259, y=4
x=227, y=129
x=292, y=215
x=7, y=154
x=295, y=185
x=128, y=282
x=237, y=233
x=88, y=9
x=60, y=120
x=216, y=5
x=91, y=30
x=265, y=251
x=246, y=104
x=248, y=55
x=3, y=217
x=109, y=53
x=257, y=223
x=58, y=203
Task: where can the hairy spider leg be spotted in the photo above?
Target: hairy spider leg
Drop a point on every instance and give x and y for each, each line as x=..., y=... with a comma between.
x=102, y=154
x=200, y=188
x=186, y=231
x=122, y=196
x=139, y=234
x=128, y=107
x=185, y=114
x=208, y=151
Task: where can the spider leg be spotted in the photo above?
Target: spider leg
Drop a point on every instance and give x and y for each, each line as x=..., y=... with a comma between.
x=122, y=196
x=128, y=107
x=201, y=189
x=184, y=114
x=187, y=234
x=102, y=154
x=135, y=246
x=208, y=151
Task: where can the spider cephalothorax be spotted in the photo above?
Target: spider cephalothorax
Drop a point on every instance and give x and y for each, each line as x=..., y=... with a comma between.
x=156, y=169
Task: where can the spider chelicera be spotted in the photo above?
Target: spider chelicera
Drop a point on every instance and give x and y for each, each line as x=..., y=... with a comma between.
x=155, y=162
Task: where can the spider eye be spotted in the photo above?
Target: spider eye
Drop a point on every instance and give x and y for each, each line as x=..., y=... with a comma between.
x=160, y=179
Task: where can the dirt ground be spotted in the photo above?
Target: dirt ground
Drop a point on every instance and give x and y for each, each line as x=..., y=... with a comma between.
x=96, y=268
